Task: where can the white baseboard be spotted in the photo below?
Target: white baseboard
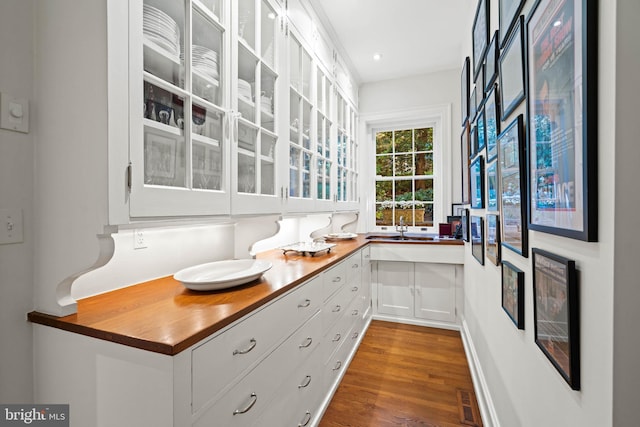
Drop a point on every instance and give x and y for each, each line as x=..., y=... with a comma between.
x=483, y=396
x=417, y=322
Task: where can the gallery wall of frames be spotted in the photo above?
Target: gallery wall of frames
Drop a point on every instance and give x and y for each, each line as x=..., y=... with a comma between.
x=535, y=170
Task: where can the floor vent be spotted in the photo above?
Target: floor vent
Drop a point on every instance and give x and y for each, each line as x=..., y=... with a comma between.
x=469, y=415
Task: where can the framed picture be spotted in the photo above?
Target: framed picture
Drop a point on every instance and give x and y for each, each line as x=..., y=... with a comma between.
x=465, y=90
x=464, y=223
x=457, y=209
x=476, y=230
x=480, y=35
x=508, y=13
x=476, y=176
x=480, y=130
x=556, y=313
x=473, y=106
x=473, y=142
x=491, y=63
x=465, y=147
x=456, y=225
x=562, y=117
x=513, y=293
x=479, y=90
x=492, y=123
x=492, y=186
x=493, y=238
x=512, y=183
x=512, y=71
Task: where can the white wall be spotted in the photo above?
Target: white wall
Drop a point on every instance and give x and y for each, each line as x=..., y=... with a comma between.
x=626, y=350
x=16, y=191
x=524, y=387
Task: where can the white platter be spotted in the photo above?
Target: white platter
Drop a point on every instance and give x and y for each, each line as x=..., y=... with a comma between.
x=222, y=274
x=340, y=236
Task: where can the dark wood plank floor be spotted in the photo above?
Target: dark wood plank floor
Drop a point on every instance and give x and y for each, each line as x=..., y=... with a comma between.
x=404, y=375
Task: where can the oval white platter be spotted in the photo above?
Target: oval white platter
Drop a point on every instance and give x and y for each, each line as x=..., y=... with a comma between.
x=222, y=274
x=340, y=236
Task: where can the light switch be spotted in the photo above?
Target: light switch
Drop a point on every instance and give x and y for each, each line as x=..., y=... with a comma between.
x=10, y=226
x=14, y=113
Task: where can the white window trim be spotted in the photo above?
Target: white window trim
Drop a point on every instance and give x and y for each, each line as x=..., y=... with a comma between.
x=436, y=116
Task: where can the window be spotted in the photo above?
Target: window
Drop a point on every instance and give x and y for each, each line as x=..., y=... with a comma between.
x=404, y=183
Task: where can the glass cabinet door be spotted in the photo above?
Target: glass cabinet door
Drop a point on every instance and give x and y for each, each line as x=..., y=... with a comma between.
x=323, y=137
x=180, y=48
x=300, y=121
x=255, y=100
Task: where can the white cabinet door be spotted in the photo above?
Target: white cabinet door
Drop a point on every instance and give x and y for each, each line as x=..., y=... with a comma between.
x=395, y=288
x=178, y=144
x=435, y=297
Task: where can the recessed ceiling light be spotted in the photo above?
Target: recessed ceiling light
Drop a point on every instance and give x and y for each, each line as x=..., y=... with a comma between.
x=377, y=57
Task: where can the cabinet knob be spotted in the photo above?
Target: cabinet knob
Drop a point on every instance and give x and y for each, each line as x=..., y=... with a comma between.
x=307, y=343
x=336, y=338
x=336, y=309
x=254, y=399
x=306, y=303
x=337, y=365
x=305, y=383
x=305, y=420
x=337, y=279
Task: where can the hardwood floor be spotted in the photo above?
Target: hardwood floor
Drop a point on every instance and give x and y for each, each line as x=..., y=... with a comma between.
x=404, y=375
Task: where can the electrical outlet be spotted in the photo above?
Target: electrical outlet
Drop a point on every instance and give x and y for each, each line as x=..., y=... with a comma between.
x=10, y=226
x=139, y=239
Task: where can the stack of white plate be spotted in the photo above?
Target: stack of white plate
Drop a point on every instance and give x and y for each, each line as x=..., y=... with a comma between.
x=161, y=29
x=244, y=89
x=205, y=62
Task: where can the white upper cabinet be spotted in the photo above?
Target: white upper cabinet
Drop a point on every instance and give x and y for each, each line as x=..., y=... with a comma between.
x=234, y=111
x=178, y=83
x=256, y=89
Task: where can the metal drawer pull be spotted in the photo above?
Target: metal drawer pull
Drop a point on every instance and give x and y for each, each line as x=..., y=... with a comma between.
x=252, y=345
x=355, y=266
x=307, y=343
x=337, y=279
x=306, y=303
x=338, y=365
x=354, y=313
x=254, y=399
x=354, y=289
x=307, y=418
x=355, y=335
x=336, y=338
x=306, y=382
x=336, y=309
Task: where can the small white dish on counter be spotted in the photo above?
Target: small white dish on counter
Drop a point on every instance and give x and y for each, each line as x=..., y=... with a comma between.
x=222, y=274
x=340, y=236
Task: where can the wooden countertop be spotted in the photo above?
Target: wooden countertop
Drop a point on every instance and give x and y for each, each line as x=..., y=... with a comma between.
x=163, y=316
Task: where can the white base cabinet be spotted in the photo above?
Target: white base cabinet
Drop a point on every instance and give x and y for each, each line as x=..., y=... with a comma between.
x=279, y=365
x=417, y=292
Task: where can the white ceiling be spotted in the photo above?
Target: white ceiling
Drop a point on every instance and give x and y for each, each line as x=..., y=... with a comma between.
x=413, y=36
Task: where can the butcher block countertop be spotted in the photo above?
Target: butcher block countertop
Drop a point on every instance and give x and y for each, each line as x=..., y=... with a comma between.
x=163, y=316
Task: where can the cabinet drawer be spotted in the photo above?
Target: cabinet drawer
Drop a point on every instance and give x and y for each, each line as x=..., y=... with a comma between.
x=340, y=331
x=337, y=363
x=242, y=404
x=298, y=399
x=336, y=306
x=353, y=266
x=218, y=361
x=333, y=279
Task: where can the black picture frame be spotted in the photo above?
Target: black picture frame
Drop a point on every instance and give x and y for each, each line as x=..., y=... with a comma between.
x=480, y=35
x=473, y=106
x=556, y=313
x=476, y=231
x=476, y=177
x=473, y=142
x=481, y=134
x=465, y=153
x=464, y=222
x=513, y=293
x=512, y=75
x=492, y=187
x=492, y=122
x=512, y=184
x=491, y=63
x=563, y=118
x=456, y=225
x=457, y=209
x=493, y=238
x=465, y=90
x=508, y=11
